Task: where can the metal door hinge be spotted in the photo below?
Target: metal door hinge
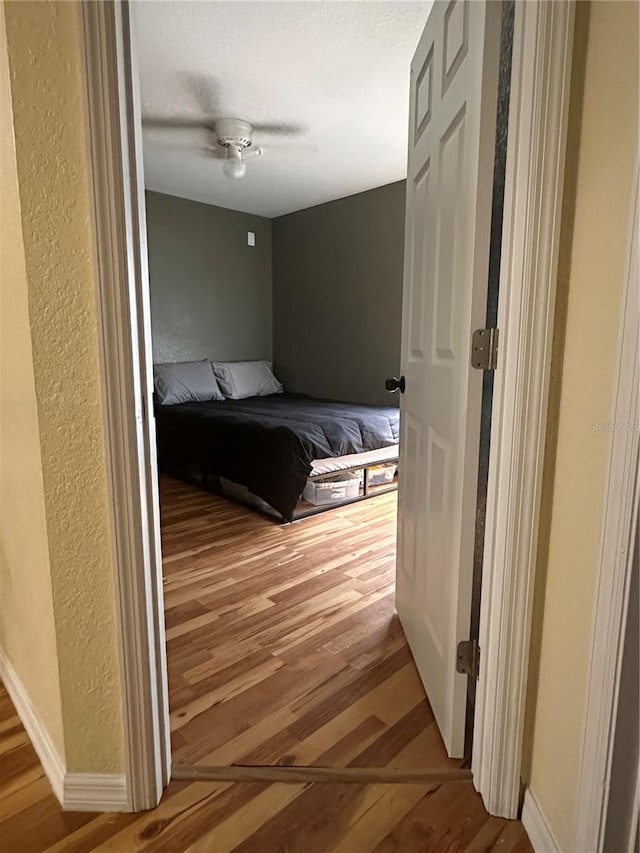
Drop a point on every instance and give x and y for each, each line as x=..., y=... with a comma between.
x=484, y=349
x=468, y=658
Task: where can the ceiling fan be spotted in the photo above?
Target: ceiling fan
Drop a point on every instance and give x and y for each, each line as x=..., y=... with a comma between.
x=232, y=140
x=234, y=146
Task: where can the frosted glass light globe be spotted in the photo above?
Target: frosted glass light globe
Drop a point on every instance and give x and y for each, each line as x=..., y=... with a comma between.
x=234, y=168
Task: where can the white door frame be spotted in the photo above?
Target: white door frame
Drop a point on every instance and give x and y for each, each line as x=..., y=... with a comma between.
x=535, y=168
x=125, y=341
x=538, y=116
x=620, y=517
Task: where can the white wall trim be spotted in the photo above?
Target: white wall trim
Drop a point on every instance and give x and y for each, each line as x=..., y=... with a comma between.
x=75, y=791
x=537, y=826
x=51, y=761
x=95, y=792
x=125, y=336
x=620, y=517
x=538, y=116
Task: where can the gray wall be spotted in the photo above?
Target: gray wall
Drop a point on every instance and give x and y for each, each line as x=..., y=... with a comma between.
x=210, y=291
x=337, y=296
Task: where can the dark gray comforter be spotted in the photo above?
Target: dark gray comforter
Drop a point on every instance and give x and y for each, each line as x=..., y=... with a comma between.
x=267, y=443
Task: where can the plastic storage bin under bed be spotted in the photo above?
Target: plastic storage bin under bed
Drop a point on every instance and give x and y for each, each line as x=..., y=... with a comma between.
x=326, y=488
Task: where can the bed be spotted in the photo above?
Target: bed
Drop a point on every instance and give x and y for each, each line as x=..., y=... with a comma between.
x=265, y=451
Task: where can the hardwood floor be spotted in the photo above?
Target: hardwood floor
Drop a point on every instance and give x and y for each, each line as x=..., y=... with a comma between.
x=283, y=648
x=283, y=644
x=249, y=817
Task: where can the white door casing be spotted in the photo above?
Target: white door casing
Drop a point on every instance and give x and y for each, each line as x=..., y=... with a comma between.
x=611, y=604
x=536, y=148
x=454, y=80
x=125, y=354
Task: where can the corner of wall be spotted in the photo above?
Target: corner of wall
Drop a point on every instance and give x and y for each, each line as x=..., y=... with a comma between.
x=45, y=56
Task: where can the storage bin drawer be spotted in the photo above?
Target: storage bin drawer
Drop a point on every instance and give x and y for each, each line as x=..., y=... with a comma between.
x=328, y=492
x=381, y=474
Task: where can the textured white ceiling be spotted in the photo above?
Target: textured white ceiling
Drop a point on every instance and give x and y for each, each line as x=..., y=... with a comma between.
x=338, y=70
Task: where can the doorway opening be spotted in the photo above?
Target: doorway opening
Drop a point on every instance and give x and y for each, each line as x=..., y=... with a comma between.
x=284, y=646
x=539, y=107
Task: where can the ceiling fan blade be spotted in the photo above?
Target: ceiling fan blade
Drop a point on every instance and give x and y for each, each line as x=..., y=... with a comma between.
x=180, y=122
x=278, y=128
x=204, y=150
x=208, y=121
x=290, y=146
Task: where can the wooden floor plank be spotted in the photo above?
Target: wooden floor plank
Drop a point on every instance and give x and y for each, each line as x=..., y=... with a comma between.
x=284, y=648
x=224, y=817
x=286, y=622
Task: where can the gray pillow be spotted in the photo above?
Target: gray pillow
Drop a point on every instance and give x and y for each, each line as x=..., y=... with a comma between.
x=185, y=382
x=241, y=379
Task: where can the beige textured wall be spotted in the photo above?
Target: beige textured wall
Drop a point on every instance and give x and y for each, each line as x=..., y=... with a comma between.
x=27, y=632
x=50, y=124
x=602, y=156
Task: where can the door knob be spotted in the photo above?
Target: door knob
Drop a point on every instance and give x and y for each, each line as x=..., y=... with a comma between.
x=395, y=384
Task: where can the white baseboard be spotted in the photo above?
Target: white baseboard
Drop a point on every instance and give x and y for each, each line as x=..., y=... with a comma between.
x=96, y=792
x=539, y=832
x=52, y=763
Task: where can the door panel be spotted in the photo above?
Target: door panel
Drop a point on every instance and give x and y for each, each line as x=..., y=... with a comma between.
x=454, y=78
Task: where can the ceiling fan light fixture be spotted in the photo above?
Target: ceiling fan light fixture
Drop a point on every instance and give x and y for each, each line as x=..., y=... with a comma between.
x=234, y=168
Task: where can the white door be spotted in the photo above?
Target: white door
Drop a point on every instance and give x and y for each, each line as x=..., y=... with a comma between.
x=454, y=80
